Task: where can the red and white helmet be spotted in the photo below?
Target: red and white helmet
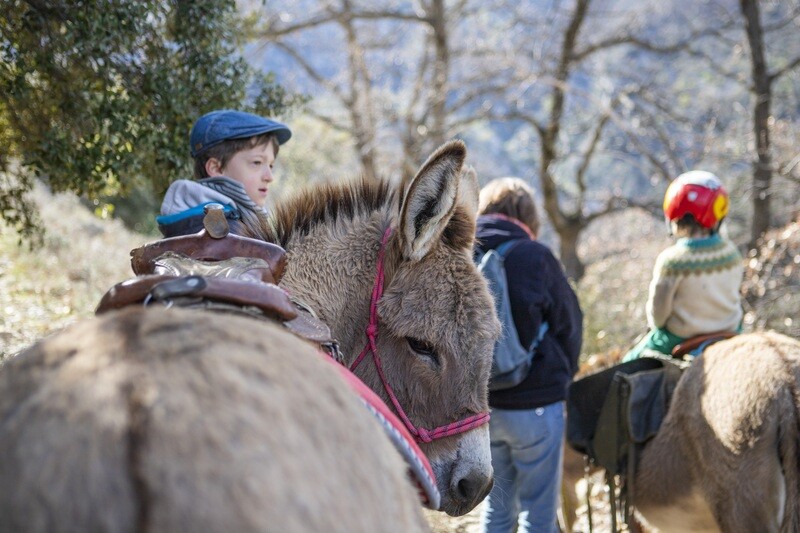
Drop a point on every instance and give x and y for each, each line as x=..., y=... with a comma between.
x=698, y=193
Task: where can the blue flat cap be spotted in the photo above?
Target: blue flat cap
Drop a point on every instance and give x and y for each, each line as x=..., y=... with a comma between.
x=226, y=124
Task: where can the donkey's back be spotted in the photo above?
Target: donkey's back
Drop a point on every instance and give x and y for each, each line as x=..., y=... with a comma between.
x=180, y=420
x=728, y=454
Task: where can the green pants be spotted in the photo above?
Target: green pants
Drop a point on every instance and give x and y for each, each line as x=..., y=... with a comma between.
x=659, y=340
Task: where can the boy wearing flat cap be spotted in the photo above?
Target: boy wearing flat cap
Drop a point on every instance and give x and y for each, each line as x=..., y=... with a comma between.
x=233, y=155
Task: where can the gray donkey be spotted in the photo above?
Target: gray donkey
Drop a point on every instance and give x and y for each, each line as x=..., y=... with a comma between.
x=152, y=419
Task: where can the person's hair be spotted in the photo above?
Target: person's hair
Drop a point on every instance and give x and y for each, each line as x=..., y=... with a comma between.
x=225, y=150
x=688, y=226
x=511, y=197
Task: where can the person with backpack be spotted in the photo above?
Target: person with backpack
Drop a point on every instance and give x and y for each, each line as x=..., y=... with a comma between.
x=527, y=423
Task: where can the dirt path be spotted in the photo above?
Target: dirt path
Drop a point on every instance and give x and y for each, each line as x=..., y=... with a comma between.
x=601, y=517
x=442, y=523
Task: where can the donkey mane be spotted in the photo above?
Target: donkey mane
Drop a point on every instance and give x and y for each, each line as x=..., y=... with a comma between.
x=348, y=199
x=314, y=205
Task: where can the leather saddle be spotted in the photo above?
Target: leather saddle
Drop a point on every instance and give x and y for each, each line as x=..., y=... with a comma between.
x=695, y=345
x=218, y=271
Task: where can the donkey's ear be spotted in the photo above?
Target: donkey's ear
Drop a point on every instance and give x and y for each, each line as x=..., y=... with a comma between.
x=430, y=200
x=468, y=191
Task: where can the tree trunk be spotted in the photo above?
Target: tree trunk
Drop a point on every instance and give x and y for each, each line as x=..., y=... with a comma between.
x=441, y=72
x=568, y=227
x=569, y=236
x=762, y=88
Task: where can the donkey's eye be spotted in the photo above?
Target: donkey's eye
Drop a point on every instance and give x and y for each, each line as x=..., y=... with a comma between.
x=423, y=348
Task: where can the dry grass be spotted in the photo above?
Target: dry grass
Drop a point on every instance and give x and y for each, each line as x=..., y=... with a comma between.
x=621, y=251
x=46, y=289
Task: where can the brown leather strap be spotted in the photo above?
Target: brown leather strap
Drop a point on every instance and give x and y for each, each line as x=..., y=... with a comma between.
x=316, y=331
x=267, y=297
x=693, y=342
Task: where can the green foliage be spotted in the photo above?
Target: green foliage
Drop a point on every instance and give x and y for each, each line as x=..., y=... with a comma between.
x=15, y=208
x=98, y=97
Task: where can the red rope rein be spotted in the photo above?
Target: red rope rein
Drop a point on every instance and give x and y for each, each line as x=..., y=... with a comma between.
x=419, y=433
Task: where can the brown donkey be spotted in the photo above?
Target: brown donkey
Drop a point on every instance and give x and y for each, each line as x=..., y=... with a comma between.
x=174, y=419
x=727, y=457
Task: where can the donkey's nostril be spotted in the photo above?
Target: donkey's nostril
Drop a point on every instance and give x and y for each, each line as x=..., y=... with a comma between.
x=465, y=488
x=473, y=488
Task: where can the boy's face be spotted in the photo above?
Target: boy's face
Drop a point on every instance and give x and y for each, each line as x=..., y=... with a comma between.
x=251, y=167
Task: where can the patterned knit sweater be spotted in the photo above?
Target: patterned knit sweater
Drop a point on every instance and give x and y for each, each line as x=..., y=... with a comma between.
x=695, y=287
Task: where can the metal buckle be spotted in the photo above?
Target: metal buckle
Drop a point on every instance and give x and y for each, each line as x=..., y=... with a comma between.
x=149, y=299
x=166, y=291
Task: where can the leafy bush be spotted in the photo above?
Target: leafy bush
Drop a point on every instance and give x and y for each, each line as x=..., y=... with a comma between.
x=99, y=100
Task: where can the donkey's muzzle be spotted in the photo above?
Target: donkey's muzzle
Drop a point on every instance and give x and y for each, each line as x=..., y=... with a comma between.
x=468, y=491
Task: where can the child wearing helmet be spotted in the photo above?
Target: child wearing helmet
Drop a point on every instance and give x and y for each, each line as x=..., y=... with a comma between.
x=695, y=285
x=233, y=155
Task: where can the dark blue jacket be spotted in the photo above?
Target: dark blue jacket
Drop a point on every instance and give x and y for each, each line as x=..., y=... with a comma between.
x=539, y=291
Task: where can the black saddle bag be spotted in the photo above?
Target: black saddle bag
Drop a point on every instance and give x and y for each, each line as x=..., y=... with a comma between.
x=618, y=408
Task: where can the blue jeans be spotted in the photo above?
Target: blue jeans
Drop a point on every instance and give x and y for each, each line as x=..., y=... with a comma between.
x=527, y=459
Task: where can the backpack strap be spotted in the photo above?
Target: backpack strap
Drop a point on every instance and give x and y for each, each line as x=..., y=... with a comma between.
x=543, y=327
x=506, y=247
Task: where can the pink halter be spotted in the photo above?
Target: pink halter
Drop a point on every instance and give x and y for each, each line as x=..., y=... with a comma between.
x=420, y=434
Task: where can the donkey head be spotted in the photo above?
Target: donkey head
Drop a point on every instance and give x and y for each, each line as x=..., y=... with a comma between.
x=435, y=319
x=437, y=322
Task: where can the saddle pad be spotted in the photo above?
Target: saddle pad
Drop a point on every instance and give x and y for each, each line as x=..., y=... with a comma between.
x=203, y=247
x=585, y=398
x=252, y=269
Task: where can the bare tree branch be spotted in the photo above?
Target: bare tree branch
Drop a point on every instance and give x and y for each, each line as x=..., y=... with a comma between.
x=314, y=73
x=791, y=65
x=620, y=203
x=329, y=121
x=524, y=117
x=644, y=44
x=272, y=31
x=791, y=169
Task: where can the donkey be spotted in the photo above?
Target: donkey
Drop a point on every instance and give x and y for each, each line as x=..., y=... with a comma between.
x=169, y=419
x=727, y=457
x=434, y=326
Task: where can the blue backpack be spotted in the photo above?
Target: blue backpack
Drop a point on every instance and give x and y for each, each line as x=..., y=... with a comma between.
x=511, y=362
